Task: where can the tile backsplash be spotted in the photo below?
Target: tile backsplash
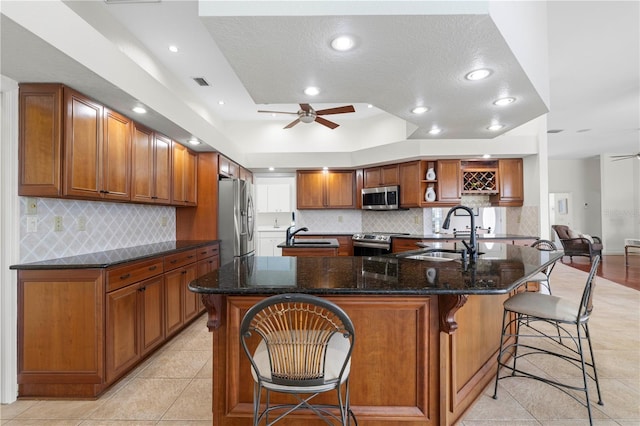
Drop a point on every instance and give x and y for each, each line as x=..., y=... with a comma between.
x=89, y=226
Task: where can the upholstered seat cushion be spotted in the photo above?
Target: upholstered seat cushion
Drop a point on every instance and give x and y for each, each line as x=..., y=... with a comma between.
x=543, y=306
x=337, y=351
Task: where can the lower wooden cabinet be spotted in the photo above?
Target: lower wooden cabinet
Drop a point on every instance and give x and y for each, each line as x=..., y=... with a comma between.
x=80, y=330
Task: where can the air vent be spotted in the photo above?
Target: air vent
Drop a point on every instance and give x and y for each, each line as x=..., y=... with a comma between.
x=201, y=81
x=555, y=130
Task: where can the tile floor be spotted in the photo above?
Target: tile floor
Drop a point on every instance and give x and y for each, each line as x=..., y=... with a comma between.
x=173, y=386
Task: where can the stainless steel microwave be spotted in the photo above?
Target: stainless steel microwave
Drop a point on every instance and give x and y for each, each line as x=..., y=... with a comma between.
x=381, y=198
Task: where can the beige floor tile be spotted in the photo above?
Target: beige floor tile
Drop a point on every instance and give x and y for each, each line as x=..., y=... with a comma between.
x=176, y=364
x=142, y=399
x=47, y=409
x=41, y=422
x=184, y=423
x=192, y=404
x=532, y=422
x=505, y=408
x=206, y=372
x=9, y=411
x=118, y=423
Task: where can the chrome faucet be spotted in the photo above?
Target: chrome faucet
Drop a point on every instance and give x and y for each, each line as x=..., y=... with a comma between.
x=290, y=233
x=471, y=247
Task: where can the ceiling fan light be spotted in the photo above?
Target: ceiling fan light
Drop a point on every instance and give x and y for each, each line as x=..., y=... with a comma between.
x=307, y=117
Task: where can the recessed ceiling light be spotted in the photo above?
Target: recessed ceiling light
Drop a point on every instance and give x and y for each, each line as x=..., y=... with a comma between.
x=369, y=106
x=486, y=156
x=271, y=169
x=311, y=91
x=420, y=110
x=478, y=74
x=194, y=141
x=342, y=43
x=139, y=110
x=220, y=102
x=435, y=131
x=504, y=101
x=173, y=48
x=495, y=127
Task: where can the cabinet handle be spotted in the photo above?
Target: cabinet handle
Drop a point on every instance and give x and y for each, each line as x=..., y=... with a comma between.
x=173, y=261
x=183, y=272
x=142, y=289
x=153, y=268
x=154, y=198
x=189, y=257
x=125, y=276
x=102, y=191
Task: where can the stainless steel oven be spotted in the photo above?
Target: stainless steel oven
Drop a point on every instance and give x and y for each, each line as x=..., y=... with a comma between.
x=372, y=243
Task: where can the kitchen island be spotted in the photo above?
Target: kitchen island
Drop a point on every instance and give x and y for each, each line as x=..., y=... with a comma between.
x=427, y=331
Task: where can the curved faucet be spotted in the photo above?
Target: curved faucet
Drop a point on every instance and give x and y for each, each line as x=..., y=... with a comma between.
x=471, y=247
x=290, y=234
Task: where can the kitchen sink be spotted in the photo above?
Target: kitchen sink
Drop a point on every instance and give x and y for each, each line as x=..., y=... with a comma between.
x=310, y=242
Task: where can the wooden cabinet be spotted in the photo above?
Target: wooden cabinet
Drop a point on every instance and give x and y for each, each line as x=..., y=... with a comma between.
x=345, y=241
x=80, y=330
x=40, y=140
x=227, y=167
x=151, y=166
x=479, y=177
x=411, y=194
x=381, y=176
x=448, y=188
x=510, y=183
x=273, y=198
x=184, y=188
x=246, y=175
x=325, y=190
x=97, y=147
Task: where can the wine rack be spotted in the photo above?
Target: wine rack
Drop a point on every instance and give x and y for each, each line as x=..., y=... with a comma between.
x=479, y=181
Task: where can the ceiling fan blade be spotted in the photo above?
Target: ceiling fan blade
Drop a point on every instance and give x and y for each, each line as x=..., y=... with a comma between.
x=338, y=110
x=325, y=122
x=278, y=112
x=293, y=123
x=306, y=107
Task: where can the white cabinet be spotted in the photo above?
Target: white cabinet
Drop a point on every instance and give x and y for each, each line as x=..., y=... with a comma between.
x=273, y=198
x=268, y=242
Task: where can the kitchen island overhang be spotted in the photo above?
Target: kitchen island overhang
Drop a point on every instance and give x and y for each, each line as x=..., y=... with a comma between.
x=428, y=331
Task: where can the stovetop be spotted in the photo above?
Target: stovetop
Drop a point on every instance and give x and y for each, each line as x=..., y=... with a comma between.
x=376, y=236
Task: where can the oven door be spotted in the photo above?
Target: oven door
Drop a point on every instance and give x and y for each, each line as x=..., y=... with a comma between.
x=363, y=248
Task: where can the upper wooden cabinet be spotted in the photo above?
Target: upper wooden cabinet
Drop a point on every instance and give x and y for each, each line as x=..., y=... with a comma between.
x=40, y=136
x=151, y=166
x=185, y=172
x=320, y=190
x=227, y=167
x=510, y=183
x=381, y=176
x=246, y=175
x=448, y=175
x=411, y=194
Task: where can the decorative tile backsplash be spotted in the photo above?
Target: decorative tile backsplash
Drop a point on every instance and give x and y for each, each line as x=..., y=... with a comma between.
x=90, y=226
x=523, y=220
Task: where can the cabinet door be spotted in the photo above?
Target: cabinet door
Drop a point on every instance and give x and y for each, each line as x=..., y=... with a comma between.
x=262, y=198
x=510, y=183
x=40, y=134
x=310, y=189
x=448, y=190
x=190, y=179
x=142, y=164
x=410, y=193
x=162, y=169
x=389, y=174
x=279, y=198
x=116, y=156
x=372, y=177
x=82, y=145
x=151, y=313
x=122, y=346
x=173, y=301
x=341, y=190
x=179, y=153
x=191, y=305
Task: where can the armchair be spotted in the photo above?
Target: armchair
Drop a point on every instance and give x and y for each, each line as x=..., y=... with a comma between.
x=578, y=245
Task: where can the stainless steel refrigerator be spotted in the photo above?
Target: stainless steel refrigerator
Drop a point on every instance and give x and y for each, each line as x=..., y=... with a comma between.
x=236, y=220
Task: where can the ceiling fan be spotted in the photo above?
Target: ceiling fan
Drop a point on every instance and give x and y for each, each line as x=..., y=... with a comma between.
x=307, y=114
x=625, y=157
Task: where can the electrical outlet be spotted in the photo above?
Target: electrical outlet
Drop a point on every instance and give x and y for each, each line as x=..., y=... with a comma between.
x=32, y=206
x=416, y=220
x=82, y=223
x=340, y=219
x=57, y=223
x=163, y=221
x=32, y=224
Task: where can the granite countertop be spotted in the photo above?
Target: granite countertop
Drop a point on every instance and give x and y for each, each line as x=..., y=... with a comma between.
x=493, y=273
x=304, y=243
x=105, y=259
x=466, y=237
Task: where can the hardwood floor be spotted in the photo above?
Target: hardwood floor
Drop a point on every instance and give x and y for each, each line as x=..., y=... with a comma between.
x=612, y=267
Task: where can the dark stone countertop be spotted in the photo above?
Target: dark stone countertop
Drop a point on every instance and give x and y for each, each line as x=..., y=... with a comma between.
x=105, y=259
x=303, y=243
x=480, y=237
x=495, y=272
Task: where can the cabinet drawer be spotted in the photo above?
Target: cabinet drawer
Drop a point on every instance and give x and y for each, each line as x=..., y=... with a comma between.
x=177, y=260
x=207, y=251
x=134, y=272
